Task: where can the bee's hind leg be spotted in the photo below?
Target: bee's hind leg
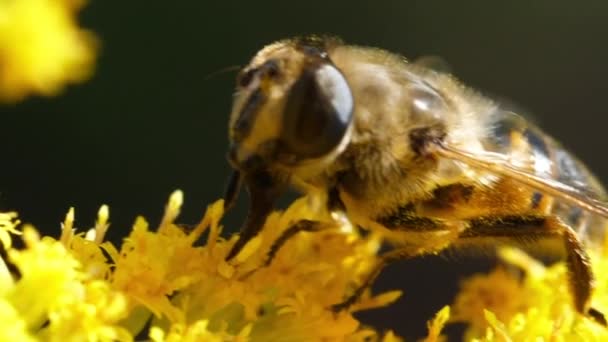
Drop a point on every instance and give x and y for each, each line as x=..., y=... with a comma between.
x=522, y=228
x=517, y=228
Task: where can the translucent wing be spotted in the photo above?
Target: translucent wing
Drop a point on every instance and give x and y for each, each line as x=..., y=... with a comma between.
x=435, y=63
x=500, y=164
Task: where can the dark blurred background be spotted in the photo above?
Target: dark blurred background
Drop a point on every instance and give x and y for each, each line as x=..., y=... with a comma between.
x=151, y=121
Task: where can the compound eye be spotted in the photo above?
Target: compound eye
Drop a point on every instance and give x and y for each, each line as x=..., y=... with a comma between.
x=317, y=113
x=427, y=105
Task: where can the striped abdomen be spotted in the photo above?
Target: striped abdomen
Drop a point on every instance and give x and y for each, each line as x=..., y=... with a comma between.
x=512, y=135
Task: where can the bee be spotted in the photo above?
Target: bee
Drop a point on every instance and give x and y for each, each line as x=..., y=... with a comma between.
x=396, y=147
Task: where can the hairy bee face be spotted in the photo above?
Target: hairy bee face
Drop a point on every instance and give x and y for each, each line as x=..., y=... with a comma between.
x=292, y=106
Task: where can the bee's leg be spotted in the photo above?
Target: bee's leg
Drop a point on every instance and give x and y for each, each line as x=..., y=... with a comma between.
x=439, y=238
x=264, y=190
x=334, y=205
x=533, y=227
x=233, y=188
x=299, y=226
x=384, y=260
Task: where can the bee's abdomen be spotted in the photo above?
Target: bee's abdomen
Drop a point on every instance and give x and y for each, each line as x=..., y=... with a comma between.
x=513, y=135
x=571, y=171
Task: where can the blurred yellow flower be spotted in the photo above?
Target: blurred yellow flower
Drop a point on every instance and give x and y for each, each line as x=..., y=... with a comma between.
x=498, y=292
x=8, y=222
x=501, y=306
x=42, y=48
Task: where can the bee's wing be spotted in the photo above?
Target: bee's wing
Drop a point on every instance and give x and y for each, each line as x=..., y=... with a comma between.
x=434, y=63
x=499, y=164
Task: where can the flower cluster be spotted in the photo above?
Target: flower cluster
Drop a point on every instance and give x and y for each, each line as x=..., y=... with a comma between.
x=506, y=306
x=173, y=284
x=177, y=282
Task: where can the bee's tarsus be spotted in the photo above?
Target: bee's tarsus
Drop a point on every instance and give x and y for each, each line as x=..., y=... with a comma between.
x=345, y=305
x=597, y=316
x=358, y=292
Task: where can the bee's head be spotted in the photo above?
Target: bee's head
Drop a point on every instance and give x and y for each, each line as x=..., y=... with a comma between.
x=292, y=107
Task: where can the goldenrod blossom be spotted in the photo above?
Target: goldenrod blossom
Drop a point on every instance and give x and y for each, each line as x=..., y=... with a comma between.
x=8, y=222
x=42, y=48
x=289, y=300
x=177, y=282
x=81, y=288
x=501, y=307
x=436, y=325
x=53, y=300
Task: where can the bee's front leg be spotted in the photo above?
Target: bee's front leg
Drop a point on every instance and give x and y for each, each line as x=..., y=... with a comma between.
x=333, y=205
x=264, y=190
x=299, y=226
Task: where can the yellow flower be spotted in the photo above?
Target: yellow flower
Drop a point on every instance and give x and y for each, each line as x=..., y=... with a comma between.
x=14, y=327
x=42, y=48
x=498, y=292
x=192, y=291
x=8, y=222
x=501, y=307
x=195, y=332
x=81, y=288
x=52, y=299
x=177, y=282
x=436, y=325
x=86, y=247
